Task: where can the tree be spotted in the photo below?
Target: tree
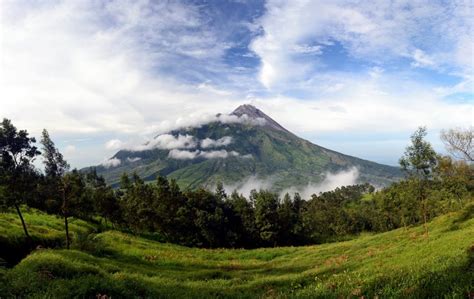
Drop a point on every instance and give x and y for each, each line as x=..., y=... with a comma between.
x=459, y=143
x=17, y=174
x=220, y=191
x=103, y=197
x=243, y=220
x=55, y=167
x=73, y=193
x=286, y=219
x=298, y=207
x=54, y=164
x=138, y=204
x=419, y=162
x=266, y=215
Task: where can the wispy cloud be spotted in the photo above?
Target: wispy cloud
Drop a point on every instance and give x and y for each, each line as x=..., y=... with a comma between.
x=167, y=141
x=209, y=142
x=113, y=162
x=127, y=70
x=330, y=182
x=189, y=155
x=375, y=31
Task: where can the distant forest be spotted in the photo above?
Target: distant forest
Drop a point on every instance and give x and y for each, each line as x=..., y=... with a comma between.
x=434, y=185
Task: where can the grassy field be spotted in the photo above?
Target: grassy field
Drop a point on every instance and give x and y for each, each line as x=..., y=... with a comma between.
x=402, y=263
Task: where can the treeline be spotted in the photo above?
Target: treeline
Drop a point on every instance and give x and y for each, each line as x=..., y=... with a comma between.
x=434, y=185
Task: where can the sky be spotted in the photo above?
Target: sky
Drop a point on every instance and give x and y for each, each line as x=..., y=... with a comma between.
x=354, y=76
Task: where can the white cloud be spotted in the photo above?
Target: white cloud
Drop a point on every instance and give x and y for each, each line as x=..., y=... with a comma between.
x=134, y=159
x=209, y=142
x=218, y=154
x=330, y=182
x=96, y=70
x=368, y=104
x=197, y=119
x=372, y=30
x=421, y=59
x=250, y=183
x=167, y=141
x=189, y=155
x=183, y=155
x=243, y=119
x=113, y=144
x=114, y=162
x=307, y=49
x=62, y=72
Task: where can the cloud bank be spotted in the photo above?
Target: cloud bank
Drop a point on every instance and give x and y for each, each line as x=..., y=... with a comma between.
x=189, y=155
x=330, y=182
x=209, y=142
x=113, y=162
x=166, y=141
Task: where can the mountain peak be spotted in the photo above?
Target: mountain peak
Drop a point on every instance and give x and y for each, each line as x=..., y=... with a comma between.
x=253, y=112
x=250, y=110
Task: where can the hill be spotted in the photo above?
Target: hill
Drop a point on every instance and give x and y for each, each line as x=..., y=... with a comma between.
x=403, y=263
x=246, y=145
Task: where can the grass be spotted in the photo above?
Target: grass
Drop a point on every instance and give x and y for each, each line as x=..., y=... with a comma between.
x=397, y=264
x=45, y=230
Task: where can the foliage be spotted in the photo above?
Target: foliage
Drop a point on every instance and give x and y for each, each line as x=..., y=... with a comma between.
x=397, y=264
x=17, y=174
x=459, y=143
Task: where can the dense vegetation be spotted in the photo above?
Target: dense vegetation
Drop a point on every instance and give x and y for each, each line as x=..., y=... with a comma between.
x=161, y=211
x=435, y=185
x=403, y=263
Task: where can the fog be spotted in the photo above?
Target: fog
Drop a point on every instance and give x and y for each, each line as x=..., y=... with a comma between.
x=331, y=181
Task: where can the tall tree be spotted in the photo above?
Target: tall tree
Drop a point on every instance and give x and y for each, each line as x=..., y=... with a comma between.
x=266, y=215
x=55, y=167
x=73, y=195
x=459, y=143
x=17, y=173
x=419, y=162
x=54, y=164
x=286, y=220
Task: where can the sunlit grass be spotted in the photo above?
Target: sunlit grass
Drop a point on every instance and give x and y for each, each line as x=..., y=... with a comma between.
x=401, y=263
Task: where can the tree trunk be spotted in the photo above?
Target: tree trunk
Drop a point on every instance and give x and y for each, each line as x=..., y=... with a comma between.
x=22, y=221
x=423, y=205
x=425, y=218
x=67, y=232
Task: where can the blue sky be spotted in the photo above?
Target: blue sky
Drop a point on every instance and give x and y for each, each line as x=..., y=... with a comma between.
x=355, y=76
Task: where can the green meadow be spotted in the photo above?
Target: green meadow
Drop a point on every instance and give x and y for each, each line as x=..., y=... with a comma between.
x=403, y=263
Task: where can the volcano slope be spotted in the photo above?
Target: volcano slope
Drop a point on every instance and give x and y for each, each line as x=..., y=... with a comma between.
x=233, y=148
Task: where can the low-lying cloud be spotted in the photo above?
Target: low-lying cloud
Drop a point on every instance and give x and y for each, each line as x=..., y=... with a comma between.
x=113, y=162
x=133, y=159
x=200, y=119
x=189, y=155
x=170, y=142
x=209, y=142
x=245, y=186
x=330, y=182
x=167, y=141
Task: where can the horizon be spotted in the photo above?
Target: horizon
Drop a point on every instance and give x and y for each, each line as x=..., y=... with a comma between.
x=342, y=76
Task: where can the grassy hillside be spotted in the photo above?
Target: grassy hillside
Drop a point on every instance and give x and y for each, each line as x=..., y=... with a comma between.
x=45, y=230
x=401, y=263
